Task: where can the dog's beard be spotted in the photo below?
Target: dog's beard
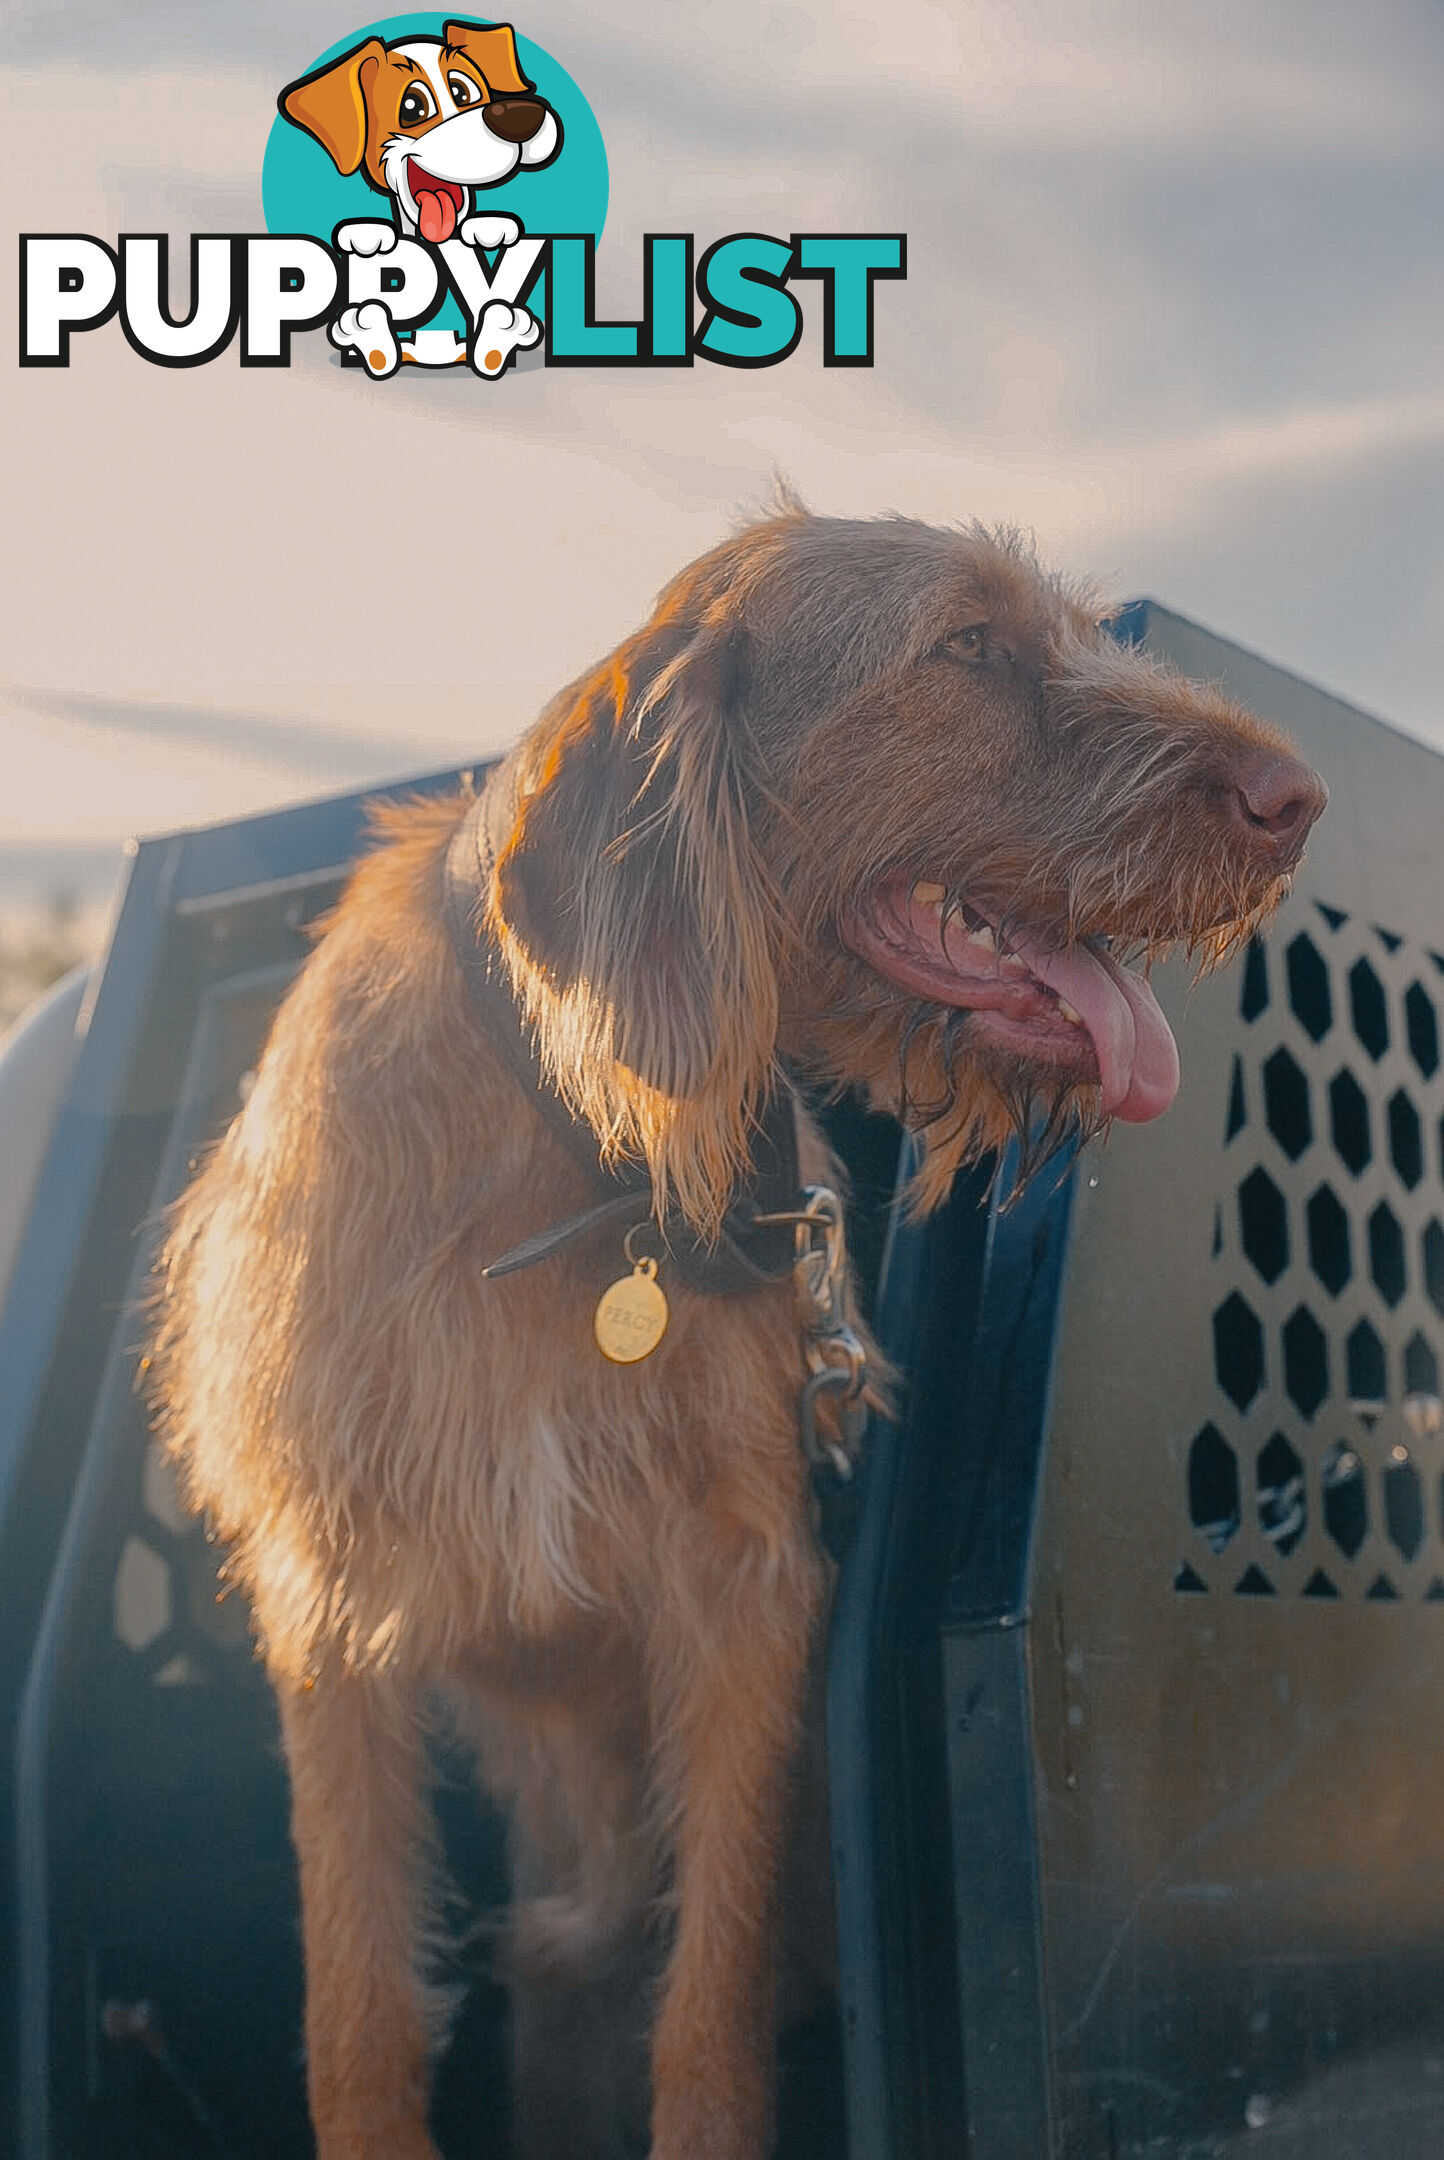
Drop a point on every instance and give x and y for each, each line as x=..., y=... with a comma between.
x=964, y=1098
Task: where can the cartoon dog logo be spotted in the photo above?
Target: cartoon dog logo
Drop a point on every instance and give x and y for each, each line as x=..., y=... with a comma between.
x=430, y=121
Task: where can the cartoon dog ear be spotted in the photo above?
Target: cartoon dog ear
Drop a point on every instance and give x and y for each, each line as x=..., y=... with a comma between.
x=331, y=104
x=639, y=920
x=491, y=48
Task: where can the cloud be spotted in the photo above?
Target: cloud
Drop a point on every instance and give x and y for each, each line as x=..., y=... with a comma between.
x=1333, y=569
x=1106, y=73
x=282, y=744
x=73, y=789
x=1175, y=300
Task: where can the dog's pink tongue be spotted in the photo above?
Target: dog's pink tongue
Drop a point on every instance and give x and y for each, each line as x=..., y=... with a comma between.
x=437, y=215
x=1137, y=1055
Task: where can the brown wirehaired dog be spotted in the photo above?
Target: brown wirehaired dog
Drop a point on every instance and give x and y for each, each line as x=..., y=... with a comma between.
x=875, y=799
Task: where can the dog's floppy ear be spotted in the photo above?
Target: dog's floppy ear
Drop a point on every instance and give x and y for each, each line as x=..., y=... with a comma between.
x=331, y=104
x=491, y=48
x=637, y=914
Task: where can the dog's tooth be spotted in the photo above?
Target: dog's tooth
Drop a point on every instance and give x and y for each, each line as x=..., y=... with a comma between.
x=927, y=894
x=1070, y=1012
x=984, y=938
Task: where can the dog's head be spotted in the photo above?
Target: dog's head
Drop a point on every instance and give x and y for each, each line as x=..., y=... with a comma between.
x=429, y=120
x=887, y=800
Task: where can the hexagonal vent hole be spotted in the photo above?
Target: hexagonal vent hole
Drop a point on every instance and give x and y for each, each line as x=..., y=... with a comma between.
x=1386, y=1253
x=1330, y=1256
x=1346, y=1499
x=1364, y=1367
x=1238, y=1350
x=1213, y=1488
x=1349, y=1121
x=1282, y=1510
x=1370, y=1009
x=1403, y=1504
x=1286, y=1104
x=1264, y=1224
x=1433, y=1248
x=1406, y=1139
x=1309, y=993
x=1421, y=1366
x=1255, y=994
x=1306, y=1361
x=1421, y=1026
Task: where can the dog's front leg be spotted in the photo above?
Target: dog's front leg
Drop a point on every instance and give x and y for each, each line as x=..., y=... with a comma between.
x=363, y=1837
x=729, y=1689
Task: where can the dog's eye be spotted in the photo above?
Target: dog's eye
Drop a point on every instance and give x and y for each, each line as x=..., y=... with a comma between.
x=463, y=89
x=969, y=644
x=416, y=105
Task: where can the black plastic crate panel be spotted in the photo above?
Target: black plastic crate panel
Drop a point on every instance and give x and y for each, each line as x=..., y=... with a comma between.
x=151, y=1902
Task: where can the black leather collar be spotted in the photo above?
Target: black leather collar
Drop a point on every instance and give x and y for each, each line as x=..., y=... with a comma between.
x=747, y=1252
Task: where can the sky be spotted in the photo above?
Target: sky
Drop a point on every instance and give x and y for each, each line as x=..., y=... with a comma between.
x=1175, y=301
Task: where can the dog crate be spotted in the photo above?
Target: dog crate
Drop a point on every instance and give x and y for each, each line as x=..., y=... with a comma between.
x=1136, y=1699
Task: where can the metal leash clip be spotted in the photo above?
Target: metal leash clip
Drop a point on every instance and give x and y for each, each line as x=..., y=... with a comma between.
x=836, y=1359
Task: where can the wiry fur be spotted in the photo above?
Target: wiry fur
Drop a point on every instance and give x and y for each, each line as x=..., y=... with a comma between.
x=432, y=1480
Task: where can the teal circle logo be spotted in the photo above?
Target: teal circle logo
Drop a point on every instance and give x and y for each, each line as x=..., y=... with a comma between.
x=303, y=191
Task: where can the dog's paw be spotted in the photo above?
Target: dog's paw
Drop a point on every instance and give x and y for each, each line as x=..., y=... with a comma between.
x=367, y=330
x=496, y=231
x=366, y=236
x=502, y=331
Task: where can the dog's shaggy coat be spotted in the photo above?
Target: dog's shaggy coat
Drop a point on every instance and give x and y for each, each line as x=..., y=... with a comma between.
x=757, y=831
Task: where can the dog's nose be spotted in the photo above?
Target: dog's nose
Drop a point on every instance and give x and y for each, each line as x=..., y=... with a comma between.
x=1278, y=799
x=515, y=120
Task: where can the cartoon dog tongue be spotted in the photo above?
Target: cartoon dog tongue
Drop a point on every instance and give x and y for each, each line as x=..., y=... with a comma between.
x=436, y=213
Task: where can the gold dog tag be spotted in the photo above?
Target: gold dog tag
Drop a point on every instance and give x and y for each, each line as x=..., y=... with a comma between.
x=632, y=1316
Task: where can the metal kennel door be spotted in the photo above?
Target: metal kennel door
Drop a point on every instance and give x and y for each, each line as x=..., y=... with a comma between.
x=1236, y=1613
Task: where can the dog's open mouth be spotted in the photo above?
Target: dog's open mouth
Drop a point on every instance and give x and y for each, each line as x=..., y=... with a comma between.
x=1073, y=1008
x=439, y=203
